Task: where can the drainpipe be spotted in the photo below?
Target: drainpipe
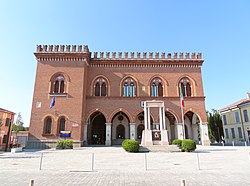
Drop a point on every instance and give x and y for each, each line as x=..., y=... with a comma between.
x=243, y=130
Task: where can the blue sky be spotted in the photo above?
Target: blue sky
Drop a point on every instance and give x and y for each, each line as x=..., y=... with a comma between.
x=218, y=29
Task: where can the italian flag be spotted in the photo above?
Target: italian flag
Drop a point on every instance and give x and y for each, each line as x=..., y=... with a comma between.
x=181, y=98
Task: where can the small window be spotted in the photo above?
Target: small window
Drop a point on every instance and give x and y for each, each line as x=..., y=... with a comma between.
x=227, y=135
x=129, y=88
x=156, y=88
x=62, y=122
x=7, y=121
x=240, y=132
x=224, y=119
x=185, y=86
x=233, y=133
x=237, y=119
x=48, y=125
x=245, y=115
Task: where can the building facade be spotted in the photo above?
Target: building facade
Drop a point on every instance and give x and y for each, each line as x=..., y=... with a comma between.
x=99, y=96
x=6, y=119
x=235, y=119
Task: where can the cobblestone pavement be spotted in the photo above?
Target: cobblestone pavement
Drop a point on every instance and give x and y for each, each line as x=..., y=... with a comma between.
x=113, y=166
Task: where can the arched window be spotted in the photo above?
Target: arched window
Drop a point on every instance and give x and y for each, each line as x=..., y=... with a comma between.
x=48, y=125
x=129, y=88
x=61, y=123
x=120, y=132
x=58, y=84
x=186, y=87
x=156, y=88
x=100, y=87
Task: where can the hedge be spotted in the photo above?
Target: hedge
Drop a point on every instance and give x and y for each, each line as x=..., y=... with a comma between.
x=188, y=145
x=177, y=142
x=64, y=143
x=130, y=145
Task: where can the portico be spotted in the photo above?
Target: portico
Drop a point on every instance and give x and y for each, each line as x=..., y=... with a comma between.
x=157, y=135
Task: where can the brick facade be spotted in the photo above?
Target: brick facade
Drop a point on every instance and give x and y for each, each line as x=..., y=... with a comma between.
x=6, y=119
x=81, y=108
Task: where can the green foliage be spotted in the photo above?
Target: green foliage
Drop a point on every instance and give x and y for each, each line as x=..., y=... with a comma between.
x=188, y=145
x=19, y=124
x=130, y=145
x=177, y=142
x=64, y=143
x=215, y=128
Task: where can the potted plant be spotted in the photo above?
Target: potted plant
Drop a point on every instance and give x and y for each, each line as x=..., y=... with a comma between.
x=64, y=144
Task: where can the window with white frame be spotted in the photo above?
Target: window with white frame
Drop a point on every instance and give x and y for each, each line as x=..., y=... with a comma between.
x=186, y=87
x=129, y=88
x=227, y=134
x=237, y=118
x=224, y=119
x=100, y=87
x=245, y=113
x=233, y=133
x=240, y=132
x=156, y=88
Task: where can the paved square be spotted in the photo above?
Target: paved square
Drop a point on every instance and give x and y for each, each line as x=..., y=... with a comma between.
x=114, y=166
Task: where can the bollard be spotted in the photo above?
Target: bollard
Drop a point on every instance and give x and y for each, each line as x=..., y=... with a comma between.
x=233, y=143
x=223, y=144
x=146, y=161
x=198, y=161
x=245, y=143
x=92, y=161
x=41, y=160
x=31, y=183
x=183, y=182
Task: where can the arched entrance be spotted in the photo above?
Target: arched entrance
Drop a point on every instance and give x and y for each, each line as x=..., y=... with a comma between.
x=97, y=129
x=192, y=126
x=120, y=128
x=170, y=124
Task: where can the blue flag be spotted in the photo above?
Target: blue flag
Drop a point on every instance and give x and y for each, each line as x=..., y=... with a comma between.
x=53, y=102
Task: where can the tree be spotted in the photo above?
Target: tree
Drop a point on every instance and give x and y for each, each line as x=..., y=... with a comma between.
x=18, y=126
x=215, y=126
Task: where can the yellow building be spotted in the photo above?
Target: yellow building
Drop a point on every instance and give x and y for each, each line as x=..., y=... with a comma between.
x=236, y=123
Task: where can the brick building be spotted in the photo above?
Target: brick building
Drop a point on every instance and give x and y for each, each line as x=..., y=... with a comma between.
x=99, y=96
x=6, y=119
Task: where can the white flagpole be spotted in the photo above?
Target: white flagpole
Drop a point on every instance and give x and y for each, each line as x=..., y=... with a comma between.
x=183, y=125
x=182, y=113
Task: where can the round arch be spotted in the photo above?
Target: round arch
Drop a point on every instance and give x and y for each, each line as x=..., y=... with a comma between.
x=95, y=78
x=96, y=131
x=96, y=110
x=132, y=77
x=192, y=81
x=130, y=118
x=165, y=84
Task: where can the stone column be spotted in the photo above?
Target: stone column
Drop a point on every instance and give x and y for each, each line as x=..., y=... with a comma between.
x=179, y=129
x=108, y=134
x=204, y=134
x=163, y=117
x=132, y=131
x=195, y=132
x=148, y=117
x=160, y=118
x=145, y=117
x=85, y=134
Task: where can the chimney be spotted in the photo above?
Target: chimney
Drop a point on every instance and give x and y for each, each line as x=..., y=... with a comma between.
x=248, y=94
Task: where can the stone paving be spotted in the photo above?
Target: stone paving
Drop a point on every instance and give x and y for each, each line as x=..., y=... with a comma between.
x=113, y=166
